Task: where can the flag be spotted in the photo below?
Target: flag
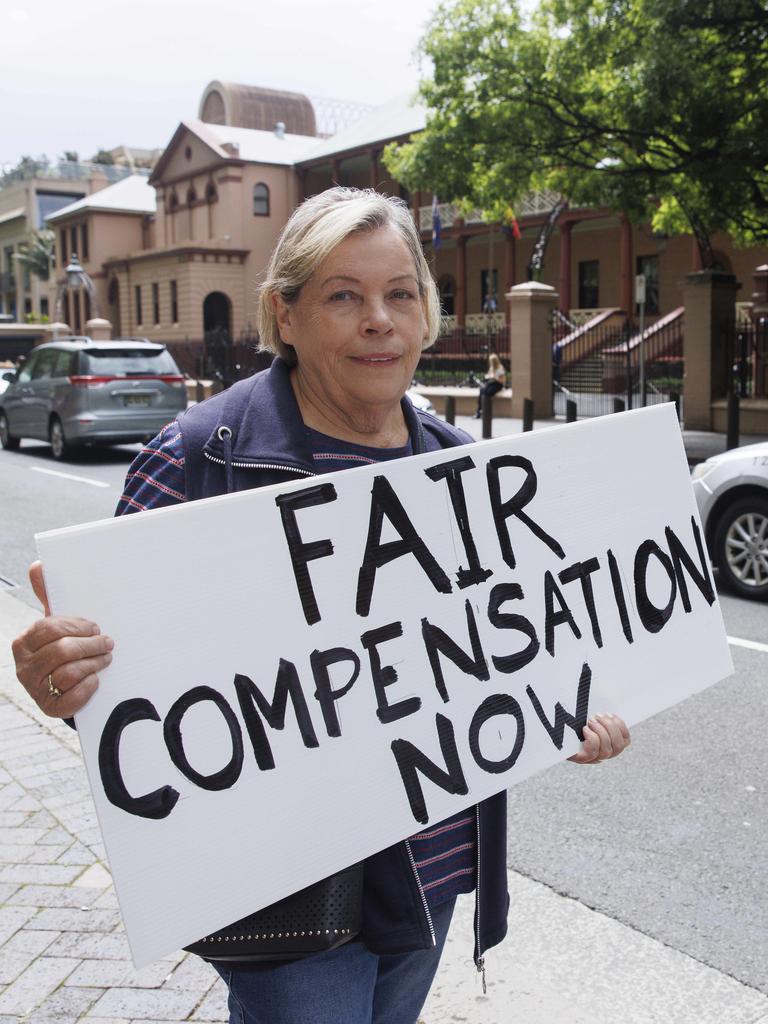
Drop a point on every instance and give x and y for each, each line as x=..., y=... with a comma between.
x=511, y=227
x=436, y=225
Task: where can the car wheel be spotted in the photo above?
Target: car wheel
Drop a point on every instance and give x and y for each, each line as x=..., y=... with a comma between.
x=59, y=447
x=741, y=547
x=7, y=440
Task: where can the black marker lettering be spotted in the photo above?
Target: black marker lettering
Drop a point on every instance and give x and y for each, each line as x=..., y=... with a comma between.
x=384, y=501
x=384, y=676
x=496, y=704
x=514, y=506
x=681, y=558
x=300, y=552
x=618, y=593
x=230, y=773
x=157, y=804
x=411, y=760
x=321, y=661
x=654, y=619
x=250, y=698
x=500, y=594
x=583, y=571
x=556, y=618
x=451, y=473
x=437, y=642
x=563, y=717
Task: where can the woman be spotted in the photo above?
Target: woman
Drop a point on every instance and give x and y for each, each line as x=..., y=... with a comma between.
x=494, y=380
x=347, y=305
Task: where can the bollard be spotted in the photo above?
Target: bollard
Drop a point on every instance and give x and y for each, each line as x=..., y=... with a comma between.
x=527, y=414
x=618, y=405
x=487, y=410
x=732, y=435
x=570, y=411
x=674, y=396
x=450, y=410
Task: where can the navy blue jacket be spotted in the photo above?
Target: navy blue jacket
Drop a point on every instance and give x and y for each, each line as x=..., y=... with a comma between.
x=253, y=435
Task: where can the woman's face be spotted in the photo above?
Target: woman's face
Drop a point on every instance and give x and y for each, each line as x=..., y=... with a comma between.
x=358, y=325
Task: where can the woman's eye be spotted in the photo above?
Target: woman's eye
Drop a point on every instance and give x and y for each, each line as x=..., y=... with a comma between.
x=402, y=293
x=340, y=296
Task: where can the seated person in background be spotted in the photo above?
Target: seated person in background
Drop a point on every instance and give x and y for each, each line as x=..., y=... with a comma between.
x=494, y=381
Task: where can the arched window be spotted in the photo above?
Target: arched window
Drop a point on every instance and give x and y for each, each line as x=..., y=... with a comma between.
x=210, y=193
x=260, y=200
x=447, y=288
x=174, y=202
x=191, y=195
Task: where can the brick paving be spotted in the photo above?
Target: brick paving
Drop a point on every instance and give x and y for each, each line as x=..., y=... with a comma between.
x=63, y=953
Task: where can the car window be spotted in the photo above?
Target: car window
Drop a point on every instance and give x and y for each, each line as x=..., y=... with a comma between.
x=25, y=373
x=129, y=362
x=65, y=364
x=44, y=365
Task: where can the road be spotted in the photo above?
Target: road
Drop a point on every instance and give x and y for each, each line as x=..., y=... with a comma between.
x=671, y=839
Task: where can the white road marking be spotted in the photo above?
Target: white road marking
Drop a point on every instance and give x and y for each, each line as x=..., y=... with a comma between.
x=752, y=645
x=69, y=476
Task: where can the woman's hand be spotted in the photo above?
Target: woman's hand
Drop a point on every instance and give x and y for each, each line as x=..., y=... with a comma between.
x=58, y=658
x=605, y=736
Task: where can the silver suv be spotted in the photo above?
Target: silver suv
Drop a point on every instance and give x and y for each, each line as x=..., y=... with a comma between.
x=75, y=391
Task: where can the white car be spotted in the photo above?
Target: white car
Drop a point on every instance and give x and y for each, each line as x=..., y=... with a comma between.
x=732, y=494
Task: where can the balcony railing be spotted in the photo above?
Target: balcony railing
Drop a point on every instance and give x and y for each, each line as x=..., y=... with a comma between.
x=474, y=323
x=532, y=204
x=62, y=170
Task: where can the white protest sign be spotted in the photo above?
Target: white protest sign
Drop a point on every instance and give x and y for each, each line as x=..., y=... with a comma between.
x=306, y=674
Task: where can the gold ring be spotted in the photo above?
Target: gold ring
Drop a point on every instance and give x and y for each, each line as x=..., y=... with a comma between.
x=52, y=688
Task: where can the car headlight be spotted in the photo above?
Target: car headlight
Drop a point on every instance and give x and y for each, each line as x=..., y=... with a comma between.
x=701, y=469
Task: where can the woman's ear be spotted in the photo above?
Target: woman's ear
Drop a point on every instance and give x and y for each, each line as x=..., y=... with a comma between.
x=282, y=313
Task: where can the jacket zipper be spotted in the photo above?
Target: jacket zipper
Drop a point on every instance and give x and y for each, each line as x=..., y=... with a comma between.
x=421, y=893
x=260, y=465
x=480, y=959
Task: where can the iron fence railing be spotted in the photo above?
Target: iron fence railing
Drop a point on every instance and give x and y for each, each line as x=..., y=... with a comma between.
x=455, y=356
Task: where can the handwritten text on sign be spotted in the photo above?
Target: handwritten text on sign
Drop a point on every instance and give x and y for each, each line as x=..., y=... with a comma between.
x=305, y=674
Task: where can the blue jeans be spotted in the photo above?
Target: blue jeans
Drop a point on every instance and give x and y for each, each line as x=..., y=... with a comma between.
x=348, y=984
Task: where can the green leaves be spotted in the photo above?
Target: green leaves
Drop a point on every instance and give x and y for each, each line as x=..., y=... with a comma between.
x=648, y=106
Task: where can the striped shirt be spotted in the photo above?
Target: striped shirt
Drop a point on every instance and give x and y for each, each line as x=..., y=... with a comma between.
x=446, y=854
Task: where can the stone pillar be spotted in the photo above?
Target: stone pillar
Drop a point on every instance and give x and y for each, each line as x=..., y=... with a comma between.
x=99, y=329
x=627, y=298
x=530, y=343
x=57, y=329
x=709, y=297
x=461, y=279
x=566, y=227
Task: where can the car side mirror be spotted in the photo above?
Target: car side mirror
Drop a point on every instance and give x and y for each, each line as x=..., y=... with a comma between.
x=10, y=376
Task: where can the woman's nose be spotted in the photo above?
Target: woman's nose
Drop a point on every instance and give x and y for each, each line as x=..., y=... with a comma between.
x=376, y=318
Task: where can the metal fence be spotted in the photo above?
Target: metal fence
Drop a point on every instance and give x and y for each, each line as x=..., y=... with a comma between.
x=600, y=361
x=216, y=357
x=456, y=356
x=749, y=359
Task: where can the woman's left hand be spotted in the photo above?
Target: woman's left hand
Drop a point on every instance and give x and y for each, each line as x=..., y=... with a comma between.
x=605, y=736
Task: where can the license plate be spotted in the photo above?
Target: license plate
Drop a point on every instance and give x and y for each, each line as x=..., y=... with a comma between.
x=137, y=400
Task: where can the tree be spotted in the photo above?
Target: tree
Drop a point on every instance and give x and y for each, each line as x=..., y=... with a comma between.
x=27, y=167
x=36, y=253
x=104, y=157
x=71, y=156
x=658, y=108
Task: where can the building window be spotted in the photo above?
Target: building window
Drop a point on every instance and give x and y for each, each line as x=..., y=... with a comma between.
x=84, y=242
x=589, y=276
x=210, y=193
x=44, y=306
x=27, y=307
x=191, y=195
x=137, y=299
x=73, y=241
x=174, y=303
x=174, y=201
x=87, y=306
x=649, y=266
x=156, y=304
x=260, y=200
x=63, y=248
x=489, y=290
x=447, y=288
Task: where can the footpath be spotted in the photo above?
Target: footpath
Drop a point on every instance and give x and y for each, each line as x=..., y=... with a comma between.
x=64, y=956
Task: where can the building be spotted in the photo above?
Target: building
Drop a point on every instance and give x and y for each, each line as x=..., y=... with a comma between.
x=29, y=194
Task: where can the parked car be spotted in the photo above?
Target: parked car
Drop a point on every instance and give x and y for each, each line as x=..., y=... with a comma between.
x=419, y=401
x=76, y=391
x=732, y=494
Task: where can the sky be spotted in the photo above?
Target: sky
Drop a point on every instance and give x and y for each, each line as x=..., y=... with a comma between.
x=87, y=75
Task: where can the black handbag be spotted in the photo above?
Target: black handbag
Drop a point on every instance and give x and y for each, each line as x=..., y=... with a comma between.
x=321, y=917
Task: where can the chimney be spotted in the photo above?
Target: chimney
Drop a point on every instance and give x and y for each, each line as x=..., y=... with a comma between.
x=280, y=129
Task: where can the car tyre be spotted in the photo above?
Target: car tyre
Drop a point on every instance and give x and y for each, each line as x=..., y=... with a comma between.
x=740, y=547
x=7, y=440
x=58, y=441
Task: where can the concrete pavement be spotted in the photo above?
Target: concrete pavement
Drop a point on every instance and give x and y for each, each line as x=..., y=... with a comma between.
x=64, y=958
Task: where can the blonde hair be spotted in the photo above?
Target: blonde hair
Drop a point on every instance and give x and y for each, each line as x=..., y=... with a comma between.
x=315, y=228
